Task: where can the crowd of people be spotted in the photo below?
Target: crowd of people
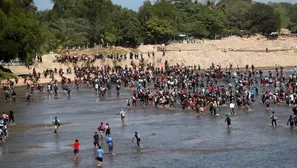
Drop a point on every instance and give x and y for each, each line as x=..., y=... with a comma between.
x=75, y=58
x=188, y=86
x=176, y=86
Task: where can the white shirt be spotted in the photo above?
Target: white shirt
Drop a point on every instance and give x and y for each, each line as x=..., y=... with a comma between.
x=291, y=97
x=122, y=113
x=232, y=105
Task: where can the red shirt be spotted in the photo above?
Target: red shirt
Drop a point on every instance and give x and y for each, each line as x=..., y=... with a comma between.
x=76, y=145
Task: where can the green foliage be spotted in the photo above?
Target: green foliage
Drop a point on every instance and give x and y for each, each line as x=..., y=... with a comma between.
x=264, y=19
x=126, y=26
x=237, y=12
x=281, y=11
x=19, y=34
x=24, y=31
x=6, y=75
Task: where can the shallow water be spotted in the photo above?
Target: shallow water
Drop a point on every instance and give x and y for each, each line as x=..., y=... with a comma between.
x=169, y=138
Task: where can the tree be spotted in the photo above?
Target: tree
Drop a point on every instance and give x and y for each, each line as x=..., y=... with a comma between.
x=264, y=19
x=19, y=34
x=280, y=10
x=126, y=26
x=237, y=13
x=159, y=30
x=24, y=31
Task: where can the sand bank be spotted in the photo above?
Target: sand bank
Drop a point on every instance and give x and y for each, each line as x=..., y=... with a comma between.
x=235, y=50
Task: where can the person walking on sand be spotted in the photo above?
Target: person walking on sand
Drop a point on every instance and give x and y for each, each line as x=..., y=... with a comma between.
x=228, y=120
x=273, y=119
x=76, y=145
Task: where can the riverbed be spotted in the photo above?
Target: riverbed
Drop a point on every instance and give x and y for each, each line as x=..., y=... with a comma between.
x=169, y=137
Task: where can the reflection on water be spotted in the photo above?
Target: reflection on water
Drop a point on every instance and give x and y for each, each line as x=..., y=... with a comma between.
x=76, y=162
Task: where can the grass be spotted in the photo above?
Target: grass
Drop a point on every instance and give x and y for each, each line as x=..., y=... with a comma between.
x=6, y=75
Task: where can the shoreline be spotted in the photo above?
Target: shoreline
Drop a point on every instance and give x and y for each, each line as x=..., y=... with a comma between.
x=244, y=52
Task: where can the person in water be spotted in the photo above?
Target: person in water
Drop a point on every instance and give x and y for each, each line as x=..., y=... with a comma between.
x=228, y=120
x=273, y=119
x=99, y=158
x=96, y=140
x=11, y=118
x=122, y=113
x=107, y=130
x=76, y=145
x=101, y=129
x=57, y=124
x=291, y=121
x=232, y=105
x=110, y=144
x=137, y=137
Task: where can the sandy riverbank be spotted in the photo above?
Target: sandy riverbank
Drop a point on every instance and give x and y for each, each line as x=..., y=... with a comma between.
x=235, y=50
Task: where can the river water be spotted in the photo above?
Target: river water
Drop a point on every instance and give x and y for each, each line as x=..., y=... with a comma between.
x=170, y=137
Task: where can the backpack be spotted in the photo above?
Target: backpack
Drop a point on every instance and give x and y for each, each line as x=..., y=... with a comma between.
x=102, y=127
x=57, y=122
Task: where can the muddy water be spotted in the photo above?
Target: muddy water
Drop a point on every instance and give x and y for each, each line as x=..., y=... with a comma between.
x=170, y=138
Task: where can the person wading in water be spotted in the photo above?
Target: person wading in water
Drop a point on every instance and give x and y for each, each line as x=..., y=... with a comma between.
x=137, y=137
x=228, y=120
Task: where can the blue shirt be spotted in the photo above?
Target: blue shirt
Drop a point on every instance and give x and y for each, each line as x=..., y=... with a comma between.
x=109, y=140
x=100, y=153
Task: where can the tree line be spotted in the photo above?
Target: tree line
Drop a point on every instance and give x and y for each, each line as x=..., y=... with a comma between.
x=25, y=31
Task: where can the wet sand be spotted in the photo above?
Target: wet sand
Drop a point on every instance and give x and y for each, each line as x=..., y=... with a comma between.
x=169, y=138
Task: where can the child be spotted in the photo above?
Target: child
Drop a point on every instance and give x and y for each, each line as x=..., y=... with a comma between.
x=76, y=148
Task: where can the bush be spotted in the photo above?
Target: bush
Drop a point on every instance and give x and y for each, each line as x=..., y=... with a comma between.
x=6, y=75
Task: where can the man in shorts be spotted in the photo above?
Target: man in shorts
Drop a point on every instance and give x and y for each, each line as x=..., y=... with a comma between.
x=99, y=157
